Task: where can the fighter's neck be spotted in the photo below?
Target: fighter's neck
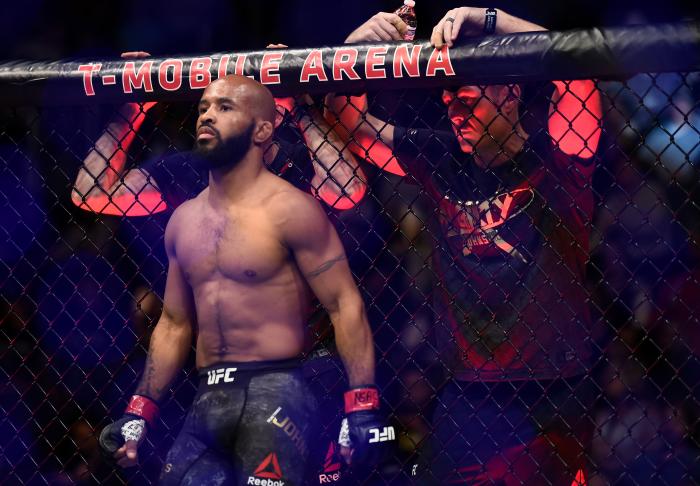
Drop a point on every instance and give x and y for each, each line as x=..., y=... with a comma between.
x=235, y=184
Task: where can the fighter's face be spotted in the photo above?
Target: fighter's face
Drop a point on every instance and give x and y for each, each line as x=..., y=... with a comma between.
x=474, y=116
x=224, y=126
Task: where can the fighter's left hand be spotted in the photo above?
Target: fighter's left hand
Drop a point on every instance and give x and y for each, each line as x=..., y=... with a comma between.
x=468, y=21
x=365, y=436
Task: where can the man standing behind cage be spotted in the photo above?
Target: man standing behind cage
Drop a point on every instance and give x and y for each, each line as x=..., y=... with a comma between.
x=244, y=258
x=510, y=224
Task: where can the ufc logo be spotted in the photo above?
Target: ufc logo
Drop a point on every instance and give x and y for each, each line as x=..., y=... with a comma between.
x=214, y=376
x=385, y=435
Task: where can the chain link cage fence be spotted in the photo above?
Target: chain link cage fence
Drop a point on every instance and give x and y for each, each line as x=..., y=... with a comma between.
x=546, y=301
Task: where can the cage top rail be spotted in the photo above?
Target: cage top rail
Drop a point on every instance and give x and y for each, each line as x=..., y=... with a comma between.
x=615, y=52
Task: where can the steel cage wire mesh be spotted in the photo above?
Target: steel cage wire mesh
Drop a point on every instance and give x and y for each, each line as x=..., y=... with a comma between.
x=81, y=290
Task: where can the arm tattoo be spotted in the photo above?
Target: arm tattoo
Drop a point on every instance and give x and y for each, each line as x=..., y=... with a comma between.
x=325, y=266
x=146, y=386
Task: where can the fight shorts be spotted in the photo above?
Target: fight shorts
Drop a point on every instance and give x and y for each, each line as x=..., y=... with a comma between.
x=250, y=423
x=509, y=433
x=324, y=374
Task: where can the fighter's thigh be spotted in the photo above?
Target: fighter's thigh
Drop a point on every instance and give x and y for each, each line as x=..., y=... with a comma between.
x=275, y=430
x=190, y=462
x=325, y=465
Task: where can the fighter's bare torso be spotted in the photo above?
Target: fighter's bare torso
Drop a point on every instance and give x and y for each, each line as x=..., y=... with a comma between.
x=250, y=298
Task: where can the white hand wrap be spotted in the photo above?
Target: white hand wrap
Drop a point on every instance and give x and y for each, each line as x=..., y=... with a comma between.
x=133, y=430
x=344, y=435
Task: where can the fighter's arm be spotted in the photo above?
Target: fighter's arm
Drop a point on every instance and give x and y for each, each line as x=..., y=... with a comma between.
x=575, y=111
x=168, y=349
x=172, y=336
x=321, y=259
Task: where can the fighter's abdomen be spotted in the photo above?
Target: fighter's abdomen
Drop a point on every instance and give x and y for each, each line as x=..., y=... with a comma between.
x=251, y=322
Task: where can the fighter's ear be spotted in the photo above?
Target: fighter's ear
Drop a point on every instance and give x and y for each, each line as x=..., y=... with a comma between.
x=263, y=131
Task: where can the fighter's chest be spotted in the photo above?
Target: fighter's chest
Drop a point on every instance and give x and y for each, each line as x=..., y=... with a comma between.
x=244, y=248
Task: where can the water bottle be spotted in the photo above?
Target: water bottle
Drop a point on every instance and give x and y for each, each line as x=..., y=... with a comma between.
x=408, y=15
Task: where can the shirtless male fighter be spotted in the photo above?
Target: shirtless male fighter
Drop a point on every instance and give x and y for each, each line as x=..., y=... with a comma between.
x=245, y=258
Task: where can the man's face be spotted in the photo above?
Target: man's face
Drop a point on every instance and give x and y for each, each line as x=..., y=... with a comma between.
x=474, y=115
x=224, y=126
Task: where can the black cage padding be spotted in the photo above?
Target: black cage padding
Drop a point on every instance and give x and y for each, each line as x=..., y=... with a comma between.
x=614, y=52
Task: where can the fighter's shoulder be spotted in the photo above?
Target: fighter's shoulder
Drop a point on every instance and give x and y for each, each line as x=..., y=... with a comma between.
x=189, y=208
x=291, y=207
x=288, y=199
x=183, y=214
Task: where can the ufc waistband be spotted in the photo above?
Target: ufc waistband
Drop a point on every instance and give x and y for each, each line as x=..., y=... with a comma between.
x=239, y=374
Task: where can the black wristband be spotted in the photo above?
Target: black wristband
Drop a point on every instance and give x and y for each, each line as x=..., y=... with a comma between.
x=490, y=21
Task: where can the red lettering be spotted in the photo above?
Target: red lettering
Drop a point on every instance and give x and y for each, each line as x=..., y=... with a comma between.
x=313, y=66
x=440, y=61
x=200, y=77
x=366, y=396
x=141, y=80
x=405, y=61
x=375, y=57
x=88, y=70
x=344, y=62
x=176, y=81
x=240, y=65
x=223, y=66
x=361, y=399
x=240, y=62
x=270, y=65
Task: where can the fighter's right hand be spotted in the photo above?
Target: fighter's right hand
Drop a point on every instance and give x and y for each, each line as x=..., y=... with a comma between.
x=380, y=27
x=120, y=440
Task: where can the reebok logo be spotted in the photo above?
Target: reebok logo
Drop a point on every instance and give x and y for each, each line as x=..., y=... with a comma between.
x=330, y=465
x=264, y=482
x=384, y=435
x=331, y=468
x=215, y=376
x=268, y=473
